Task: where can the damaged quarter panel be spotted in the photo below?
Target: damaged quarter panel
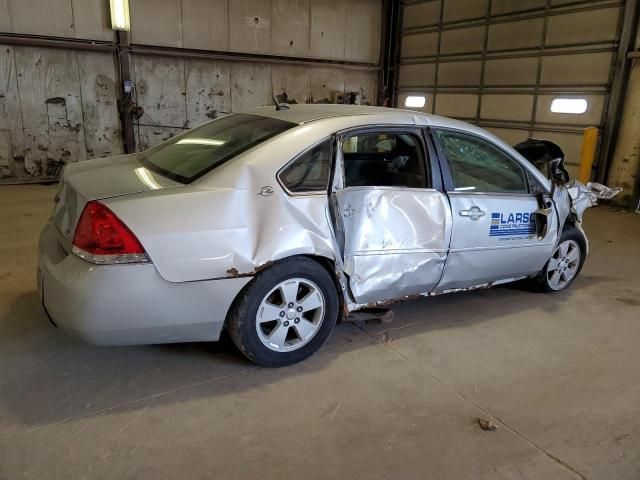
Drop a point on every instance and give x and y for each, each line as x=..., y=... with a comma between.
x=233, y=221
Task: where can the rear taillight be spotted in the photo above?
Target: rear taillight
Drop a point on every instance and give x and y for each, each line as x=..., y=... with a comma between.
x=101, y=237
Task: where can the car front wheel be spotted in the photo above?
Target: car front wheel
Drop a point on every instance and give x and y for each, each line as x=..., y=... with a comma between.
x=286, y=313
x=565, y=263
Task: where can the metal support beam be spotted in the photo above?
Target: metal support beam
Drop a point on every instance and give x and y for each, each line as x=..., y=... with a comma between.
x=138, y=49
x=388, y=58
x=56, y=42
x=126, y=119
x=619, y=87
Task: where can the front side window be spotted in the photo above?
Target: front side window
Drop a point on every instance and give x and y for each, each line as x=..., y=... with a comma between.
x=310, y=171
x=478, y=166
x=384, y=159
x=195, y=152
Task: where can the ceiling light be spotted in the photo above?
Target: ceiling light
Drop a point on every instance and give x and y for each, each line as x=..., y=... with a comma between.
x=120, y=15
x=415, y=101
x=569, y=105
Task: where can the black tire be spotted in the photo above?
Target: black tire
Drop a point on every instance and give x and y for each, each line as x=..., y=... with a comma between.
x=241, y=322
x=541, y=282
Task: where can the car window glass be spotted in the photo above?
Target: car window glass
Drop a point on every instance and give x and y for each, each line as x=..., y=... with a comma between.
x=384, y=159
x=310, y=171
x=190, y=155
x=534, y=184
x=478, y=166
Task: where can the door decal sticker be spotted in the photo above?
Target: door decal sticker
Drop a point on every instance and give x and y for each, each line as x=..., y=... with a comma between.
x=521, y=224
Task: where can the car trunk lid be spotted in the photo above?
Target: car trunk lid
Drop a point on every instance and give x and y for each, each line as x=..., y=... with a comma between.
x=99, y=179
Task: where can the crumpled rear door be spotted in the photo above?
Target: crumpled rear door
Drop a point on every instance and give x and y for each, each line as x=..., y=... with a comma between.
x=393, y=239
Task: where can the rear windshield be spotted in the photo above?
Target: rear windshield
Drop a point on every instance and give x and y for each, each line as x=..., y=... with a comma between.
x=195, y=152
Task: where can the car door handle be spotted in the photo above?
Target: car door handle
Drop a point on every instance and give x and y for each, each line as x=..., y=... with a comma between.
x=474, y=213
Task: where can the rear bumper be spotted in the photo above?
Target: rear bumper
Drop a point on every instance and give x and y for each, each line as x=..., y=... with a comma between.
x=128, y=304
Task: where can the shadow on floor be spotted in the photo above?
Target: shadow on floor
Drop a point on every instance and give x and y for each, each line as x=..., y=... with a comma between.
x=68, y=379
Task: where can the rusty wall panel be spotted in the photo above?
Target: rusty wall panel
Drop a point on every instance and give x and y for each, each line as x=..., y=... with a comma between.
x=250, y=85
x=324, y=82
x=86, y=19
x=328, y=28
x=293, y=80
x=290, y=27
x=208, y=90
x=363, y=82
x=50, y=106
x=205, y=24
x=250, y=26
x=161, y=90
x=156, y=22
x=98, y=88
x=55, y=106
x=625, y=165
x=41, y=17
x=92, y=20
x=11, y=134
x=363, y=18
x=5, y=18
x=182, y=93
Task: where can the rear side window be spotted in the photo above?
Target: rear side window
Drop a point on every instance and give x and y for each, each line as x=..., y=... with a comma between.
x=310, y=171
x=195, y=152
x=479, y=166
x=384, y=159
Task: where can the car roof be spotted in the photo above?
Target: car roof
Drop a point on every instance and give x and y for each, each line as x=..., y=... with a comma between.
x=306, y=113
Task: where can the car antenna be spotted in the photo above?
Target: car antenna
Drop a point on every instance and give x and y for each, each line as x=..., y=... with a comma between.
x=279, y=106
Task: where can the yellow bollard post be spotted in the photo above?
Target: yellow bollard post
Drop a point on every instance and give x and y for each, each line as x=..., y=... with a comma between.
x=588, y=153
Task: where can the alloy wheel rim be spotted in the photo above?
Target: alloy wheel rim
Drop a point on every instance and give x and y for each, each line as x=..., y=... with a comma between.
x=563, y=265
x=290, y=315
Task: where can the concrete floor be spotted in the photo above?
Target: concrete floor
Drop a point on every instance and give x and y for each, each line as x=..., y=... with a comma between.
x=559, y=374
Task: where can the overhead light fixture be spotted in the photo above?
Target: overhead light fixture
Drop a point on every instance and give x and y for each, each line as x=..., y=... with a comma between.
x=120, y=15
x=200, y=141
x=569, y=105
x=415, y=101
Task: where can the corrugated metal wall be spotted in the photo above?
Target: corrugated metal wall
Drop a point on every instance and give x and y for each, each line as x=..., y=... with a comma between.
x=180, y=93
x=62, y=104
x=500, y=63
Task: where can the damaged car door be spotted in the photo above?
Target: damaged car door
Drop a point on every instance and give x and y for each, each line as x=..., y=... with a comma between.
x=394, y=225
x=504, y=223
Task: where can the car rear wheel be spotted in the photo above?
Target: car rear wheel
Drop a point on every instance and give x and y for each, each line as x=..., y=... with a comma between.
x=285, y=314
x=565, y=263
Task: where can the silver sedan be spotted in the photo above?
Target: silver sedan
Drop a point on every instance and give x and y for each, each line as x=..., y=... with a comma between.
x=274, y=223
